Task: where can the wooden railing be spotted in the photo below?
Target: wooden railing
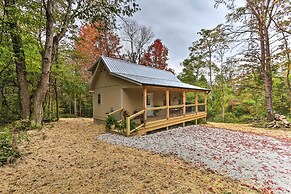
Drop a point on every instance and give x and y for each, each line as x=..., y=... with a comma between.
x=128, y=122
x=181, y=112
x=114, y=113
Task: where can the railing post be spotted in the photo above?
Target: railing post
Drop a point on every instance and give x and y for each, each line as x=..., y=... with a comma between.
x=184, y=103
x=205, y=104
x=196, y=101
x=167, y=104
x=145, y=106
x=127, y=126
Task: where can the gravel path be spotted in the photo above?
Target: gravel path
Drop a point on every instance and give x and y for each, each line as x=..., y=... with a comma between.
x=264, y=161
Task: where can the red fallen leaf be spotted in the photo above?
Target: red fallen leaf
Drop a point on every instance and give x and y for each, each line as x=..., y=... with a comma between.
x=255, y=179
x=279, y=188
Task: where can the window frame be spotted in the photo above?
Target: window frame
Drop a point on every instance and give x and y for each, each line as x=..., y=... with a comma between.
x=99, y=99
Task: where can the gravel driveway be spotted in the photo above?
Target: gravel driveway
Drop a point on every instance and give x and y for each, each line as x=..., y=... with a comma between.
x=261, y=160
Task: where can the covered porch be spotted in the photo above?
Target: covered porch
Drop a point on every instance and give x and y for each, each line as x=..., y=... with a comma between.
x=150, y=108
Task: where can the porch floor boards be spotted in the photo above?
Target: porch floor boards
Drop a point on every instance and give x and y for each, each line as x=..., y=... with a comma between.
x=158, y=124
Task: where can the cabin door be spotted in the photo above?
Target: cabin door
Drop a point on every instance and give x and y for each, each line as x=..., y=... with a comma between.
x=150, y=102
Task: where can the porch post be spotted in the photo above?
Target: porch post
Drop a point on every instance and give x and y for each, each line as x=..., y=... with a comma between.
x=205, y=101
x=167, y=104
x=205, y=104
x=145, y=106
x=184, y=103
x=196, y=101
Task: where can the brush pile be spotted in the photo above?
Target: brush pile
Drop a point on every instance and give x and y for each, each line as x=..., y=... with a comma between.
x=280, y=121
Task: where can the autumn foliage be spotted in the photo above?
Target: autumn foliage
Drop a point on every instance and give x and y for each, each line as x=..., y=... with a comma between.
x=95, y=40
x=157, y=56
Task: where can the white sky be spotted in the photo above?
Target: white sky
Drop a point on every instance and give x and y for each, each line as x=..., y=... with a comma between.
x=176, y=23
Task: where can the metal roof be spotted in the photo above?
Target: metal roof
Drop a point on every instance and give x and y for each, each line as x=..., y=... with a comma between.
x=144, y=75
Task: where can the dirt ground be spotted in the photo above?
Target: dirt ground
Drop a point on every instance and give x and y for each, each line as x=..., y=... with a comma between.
x=65, y=157
x=282, y=134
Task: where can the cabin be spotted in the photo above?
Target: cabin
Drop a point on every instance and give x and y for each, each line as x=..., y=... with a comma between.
x=143, y=98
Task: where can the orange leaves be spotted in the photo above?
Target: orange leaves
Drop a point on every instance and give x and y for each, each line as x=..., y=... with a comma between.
x=157, y=56
x=95, y=40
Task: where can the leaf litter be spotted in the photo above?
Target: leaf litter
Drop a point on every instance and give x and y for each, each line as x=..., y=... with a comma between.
x=257, y=159
x=64, y=157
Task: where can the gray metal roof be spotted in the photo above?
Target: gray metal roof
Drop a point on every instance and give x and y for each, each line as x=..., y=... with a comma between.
x=144, y=75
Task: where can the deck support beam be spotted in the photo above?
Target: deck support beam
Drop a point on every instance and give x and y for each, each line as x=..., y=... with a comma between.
x=145, y=106
x=168, y=103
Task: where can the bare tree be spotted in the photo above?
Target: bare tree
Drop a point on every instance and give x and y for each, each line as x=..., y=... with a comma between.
x=138, y=37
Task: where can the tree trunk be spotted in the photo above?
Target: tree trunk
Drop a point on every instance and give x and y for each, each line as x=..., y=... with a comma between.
x=265, y=58
x=19, y=60
x=80, y=106
x=268, y=97
x=210, y=75
x=57, y=99
x=42, y=88
x=75, y=105
x=288, y=67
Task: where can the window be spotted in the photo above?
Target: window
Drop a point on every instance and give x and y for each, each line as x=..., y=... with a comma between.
x=164, y=100
x=148, y=100
x=99, y=99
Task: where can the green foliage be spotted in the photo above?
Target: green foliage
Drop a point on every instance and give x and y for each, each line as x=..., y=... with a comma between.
x=110, y=120
x=8, y=153
x=240, y=110
x=122, y=125
x=67, y=116
x=133, y=125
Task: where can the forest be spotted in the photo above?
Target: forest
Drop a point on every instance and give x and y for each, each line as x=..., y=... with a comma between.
x=47, y=47
x=50, y=144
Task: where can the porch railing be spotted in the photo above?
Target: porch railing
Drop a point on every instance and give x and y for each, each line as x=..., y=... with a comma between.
x=117, y=114
x=139, y=119
x=129, y=122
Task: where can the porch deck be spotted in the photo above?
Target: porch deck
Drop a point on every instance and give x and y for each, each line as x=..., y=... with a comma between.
x=153, y=118
x=158, y=124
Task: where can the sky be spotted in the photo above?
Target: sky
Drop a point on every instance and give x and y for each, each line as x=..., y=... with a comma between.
x=176, y=23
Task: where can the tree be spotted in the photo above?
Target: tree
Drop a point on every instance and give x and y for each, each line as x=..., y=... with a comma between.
x=156, y=56
x=255, y=20
x=193, y=69
x=137, y=37
x=93, y=41
x=12, y=13
x=212, y=43
x=55, y=19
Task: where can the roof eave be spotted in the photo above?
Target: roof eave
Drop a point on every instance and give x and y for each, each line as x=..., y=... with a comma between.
x=157, y=85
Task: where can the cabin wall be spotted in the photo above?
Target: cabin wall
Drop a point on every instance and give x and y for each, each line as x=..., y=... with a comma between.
x=110, y=100
x=176, y=98
x=110, y=89
x=132, y=99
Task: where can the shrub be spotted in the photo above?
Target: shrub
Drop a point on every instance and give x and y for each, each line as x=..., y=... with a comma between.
x=246, y=118
x=21, y=125
x=8, y=153
x=133, y=125
x=110, y=121
x=68, y=116
x=122, y=125
x=240, y=110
